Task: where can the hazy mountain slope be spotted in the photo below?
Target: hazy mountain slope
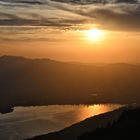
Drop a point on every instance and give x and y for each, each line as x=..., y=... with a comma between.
x=43, y=81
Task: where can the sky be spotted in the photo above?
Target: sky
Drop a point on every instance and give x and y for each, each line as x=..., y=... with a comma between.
x=59, y=29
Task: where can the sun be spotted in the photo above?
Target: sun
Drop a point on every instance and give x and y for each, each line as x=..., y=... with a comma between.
x=94, y=34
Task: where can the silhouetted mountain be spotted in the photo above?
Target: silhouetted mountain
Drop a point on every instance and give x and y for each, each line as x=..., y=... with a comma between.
x=127, y=127
x=42, y=81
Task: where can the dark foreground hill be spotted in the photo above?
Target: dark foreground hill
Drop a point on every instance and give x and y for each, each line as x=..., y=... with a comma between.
x=126, y=128
x=42, y=81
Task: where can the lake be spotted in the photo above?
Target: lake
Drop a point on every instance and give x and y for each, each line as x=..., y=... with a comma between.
x=26, y=122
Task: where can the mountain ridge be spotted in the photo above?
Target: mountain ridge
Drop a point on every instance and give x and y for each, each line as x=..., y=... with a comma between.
x=25, y=82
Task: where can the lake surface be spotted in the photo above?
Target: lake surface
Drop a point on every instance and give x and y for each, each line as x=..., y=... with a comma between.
x=26, y=122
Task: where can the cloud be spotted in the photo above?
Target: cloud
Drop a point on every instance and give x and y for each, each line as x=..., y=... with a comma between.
x=29, y=2
x=64, y=13
x=112, y=16
x=126, y=17
x=96, y=1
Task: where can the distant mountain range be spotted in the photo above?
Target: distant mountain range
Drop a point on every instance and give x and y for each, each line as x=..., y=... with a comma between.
x=42, y=81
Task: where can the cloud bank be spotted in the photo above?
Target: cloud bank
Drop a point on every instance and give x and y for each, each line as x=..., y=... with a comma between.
x=121, y=15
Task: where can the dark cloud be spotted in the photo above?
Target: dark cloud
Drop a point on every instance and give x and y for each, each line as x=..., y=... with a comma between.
x=44, y=22
x=22, y=1
x=30, y=39
x=96, y=1
x=29, y=2
x=124, y=20
x=7, y=15
x=126, y=1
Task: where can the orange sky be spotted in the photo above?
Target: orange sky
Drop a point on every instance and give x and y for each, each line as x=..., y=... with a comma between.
x=58, y=30
x=74, y=45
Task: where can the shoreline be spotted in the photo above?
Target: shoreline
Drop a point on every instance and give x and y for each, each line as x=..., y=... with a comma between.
x=10, y=109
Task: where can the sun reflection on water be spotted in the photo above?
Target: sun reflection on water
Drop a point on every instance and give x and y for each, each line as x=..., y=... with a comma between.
x=92, y=110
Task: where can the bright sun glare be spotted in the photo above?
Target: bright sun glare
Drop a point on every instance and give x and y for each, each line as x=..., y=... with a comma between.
x=94, y=34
